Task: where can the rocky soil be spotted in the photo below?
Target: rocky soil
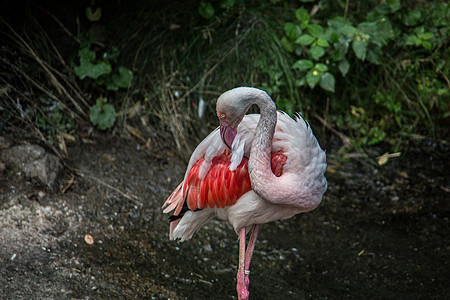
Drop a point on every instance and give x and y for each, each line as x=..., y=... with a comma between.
x=91, y=228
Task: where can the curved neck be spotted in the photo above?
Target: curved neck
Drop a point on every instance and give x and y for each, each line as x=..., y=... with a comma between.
x=260, y=155
x=262, y=143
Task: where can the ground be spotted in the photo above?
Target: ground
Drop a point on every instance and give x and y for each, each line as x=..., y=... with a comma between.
x=380, y=232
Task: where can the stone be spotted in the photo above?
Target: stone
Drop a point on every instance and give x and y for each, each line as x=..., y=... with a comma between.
x=34, y=162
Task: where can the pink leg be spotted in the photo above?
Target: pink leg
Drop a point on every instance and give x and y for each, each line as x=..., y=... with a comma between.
x=241, y=287
x=249, y=253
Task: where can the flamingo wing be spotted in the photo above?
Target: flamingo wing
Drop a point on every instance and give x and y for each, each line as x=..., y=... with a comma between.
x=220, y=187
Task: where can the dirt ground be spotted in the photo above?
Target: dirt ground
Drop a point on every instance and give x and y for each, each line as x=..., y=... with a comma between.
x=380, y=233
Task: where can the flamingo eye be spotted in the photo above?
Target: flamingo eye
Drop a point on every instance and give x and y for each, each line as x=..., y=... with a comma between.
x=222, y=116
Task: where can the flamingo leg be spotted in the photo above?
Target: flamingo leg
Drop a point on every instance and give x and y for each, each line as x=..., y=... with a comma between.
x=241, y=287
x=249, y=253
x=245, y=256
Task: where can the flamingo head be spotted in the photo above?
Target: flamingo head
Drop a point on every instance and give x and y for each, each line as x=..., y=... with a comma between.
x=231, y=107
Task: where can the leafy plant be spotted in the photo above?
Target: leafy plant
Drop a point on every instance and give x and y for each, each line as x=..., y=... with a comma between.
x=420, y=37
x=325, y=48
x=50, y=118
x=102, y=114
x=206, y=9
x=393, y=43
x=101, y=70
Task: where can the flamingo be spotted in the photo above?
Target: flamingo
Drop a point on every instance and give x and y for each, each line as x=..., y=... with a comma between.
x=252, y=169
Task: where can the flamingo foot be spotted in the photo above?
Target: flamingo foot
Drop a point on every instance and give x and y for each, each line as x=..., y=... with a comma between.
x=245, y=256
x=242, y=291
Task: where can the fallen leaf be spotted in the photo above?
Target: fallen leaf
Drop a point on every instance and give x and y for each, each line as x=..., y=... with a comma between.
x=68, y=137
x=148, y=144
x=383, y=159
x=134, y=110
x=108, y=158
x=88, y=239
x=87, y=141
x=331, y=170
x=62, y=144
x=135, y=132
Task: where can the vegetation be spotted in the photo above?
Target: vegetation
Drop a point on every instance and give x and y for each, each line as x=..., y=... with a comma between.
x=369, y=71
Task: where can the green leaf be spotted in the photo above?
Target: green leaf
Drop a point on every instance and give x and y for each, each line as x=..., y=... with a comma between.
x=394, y=5
x=344, y=66
x=348, y=30
x=376, y=136
x=378, y=12
x=413, y=40
x=322, y=42
x=316, y=52
x=412, y=18
x=427, y=45
x=93, y=16
x=292, y=30
x=300, y=82
x=379, y=32
x=287, y=44
x=327, y=82
x=360, y=48
x=321, y=67
x=341, y=48
x=342, y=26
x=312, y=78
x=305, y=39
x=367, y=27
x=373, y=56
x=206, y=10
x=302, y=14
x=303, y=64
x=338, y=23
x=88, y=69
x=426, y=36
x=123, y=79
x=109, y=83
x=227, y=3
x=315, y=30
x=86, y=55
x=102, y=115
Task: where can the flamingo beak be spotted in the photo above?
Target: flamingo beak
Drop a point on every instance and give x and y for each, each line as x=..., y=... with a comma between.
x=227, y=133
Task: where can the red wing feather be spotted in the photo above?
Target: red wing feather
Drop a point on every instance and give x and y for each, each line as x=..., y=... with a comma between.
x=220, y=187
x=278, y=162
x=214, y=190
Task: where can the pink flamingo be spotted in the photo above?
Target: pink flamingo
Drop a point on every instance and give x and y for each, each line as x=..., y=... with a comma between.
x=253, y=169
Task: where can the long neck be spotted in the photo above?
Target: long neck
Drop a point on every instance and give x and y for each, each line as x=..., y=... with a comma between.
x=262, y=143
x=260, y=155
x=301, y=187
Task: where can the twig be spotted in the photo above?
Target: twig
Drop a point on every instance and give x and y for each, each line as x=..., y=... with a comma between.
x=53, y=79
x=40, y=87
x=69, y=184
x=132, y=197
